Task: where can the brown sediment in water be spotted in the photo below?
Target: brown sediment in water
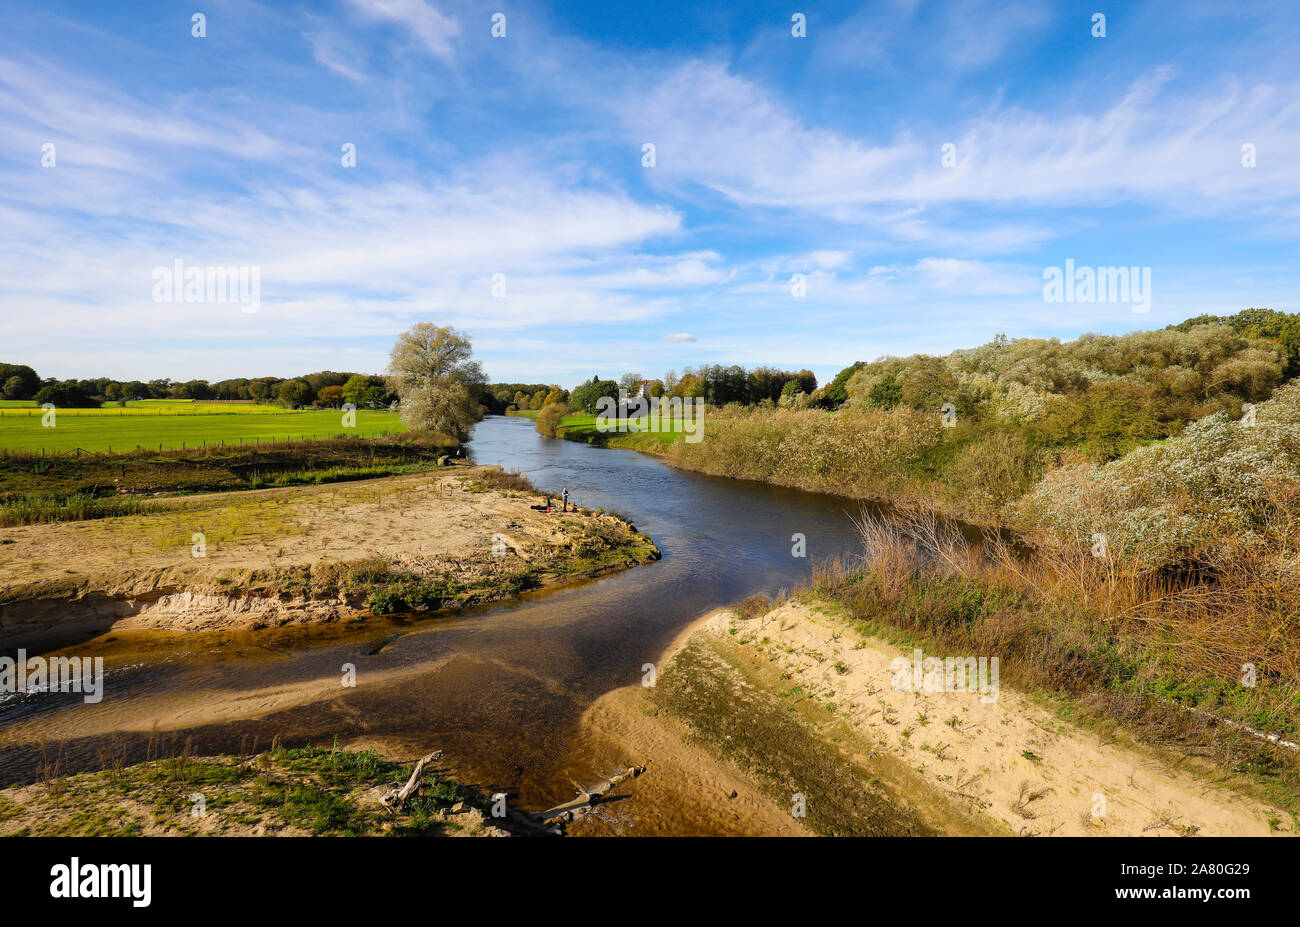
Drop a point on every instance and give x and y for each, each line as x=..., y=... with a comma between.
x=304, y=554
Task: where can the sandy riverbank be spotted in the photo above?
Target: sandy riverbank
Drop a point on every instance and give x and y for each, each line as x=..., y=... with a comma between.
x=949, y=762
x=263, y=558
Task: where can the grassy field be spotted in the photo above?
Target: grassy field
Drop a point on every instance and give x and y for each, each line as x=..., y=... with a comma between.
x=174, y=425
x=28, y=408
x=582, y=427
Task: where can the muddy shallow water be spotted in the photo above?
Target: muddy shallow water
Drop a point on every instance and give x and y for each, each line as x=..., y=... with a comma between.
x=499, y=689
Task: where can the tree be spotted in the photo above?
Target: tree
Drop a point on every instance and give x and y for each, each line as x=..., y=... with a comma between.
x=232, y=389
x=294, y=393
x=26, y=376
x=807, y=381
x=264, y=389
x=14, y=388
x=586, y=396
x=689, y=386
x=331, y=397
x=836, y=394
x=437, y=380
x=195, y=389
x=631, y=382
x=65, y=396
x=355, y=388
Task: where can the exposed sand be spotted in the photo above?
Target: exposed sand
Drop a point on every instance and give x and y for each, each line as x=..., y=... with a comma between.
x=1009, y=763
x=143, y=571
x=685, y=791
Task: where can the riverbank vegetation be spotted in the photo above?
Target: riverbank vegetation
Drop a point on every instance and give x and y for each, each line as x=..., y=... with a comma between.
x=1206, y=666
x=276, y=792
x=1150, y=482
x=971, y=432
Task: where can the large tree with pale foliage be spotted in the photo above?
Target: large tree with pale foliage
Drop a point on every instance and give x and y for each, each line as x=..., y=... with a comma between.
x=437, y=380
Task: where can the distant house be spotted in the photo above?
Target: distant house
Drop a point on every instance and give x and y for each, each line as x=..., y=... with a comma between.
x=642, y=387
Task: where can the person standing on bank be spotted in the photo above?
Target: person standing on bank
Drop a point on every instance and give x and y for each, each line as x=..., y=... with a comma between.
x=566, y=498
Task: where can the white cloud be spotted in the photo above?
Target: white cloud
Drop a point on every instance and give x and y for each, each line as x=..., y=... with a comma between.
x=976, y=278
x=332, y=51
x=681, y=338
x=431, y=28
x=978, y=32
x=1156, y=143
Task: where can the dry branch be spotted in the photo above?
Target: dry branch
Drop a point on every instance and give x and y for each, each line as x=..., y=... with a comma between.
x=394, y=799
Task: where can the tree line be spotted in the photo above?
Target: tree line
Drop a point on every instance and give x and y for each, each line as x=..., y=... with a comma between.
x=325, y=389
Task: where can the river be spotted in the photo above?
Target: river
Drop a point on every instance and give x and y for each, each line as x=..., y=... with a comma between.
x=500, y=689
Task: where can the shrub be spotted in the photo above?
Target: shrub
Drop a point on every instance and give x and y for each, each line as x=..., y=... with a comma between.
x=386, y=602
x=548, y=420
x=1218, y=485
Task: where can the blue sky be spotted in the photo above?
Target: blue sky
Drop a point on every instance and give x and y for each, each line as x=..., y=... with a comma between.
x=522, y=156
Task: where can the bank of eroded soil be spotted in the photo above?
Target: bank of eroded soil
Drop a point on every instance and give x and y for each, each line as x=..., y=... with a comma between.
x=793, y=702
x=428, y=541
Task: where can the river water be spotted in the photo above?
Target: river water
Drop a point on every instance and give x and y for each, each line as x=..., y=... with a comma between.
x=500, y=689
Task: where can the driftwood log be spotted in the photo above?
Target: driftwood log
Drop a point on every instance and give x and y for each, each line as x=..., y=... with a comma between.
x=587, y=798
x=552, y=821
x=395, y=798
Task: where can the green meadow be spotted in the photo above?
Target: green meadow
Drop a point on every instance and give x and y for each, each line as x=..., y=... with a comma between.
x=28, y=407
x=174, y=425
x=582, y=427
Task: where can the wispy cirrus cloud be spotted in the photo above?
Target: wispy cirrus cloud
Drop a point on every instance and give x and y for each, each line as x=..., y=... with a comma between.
x=432, y=29
x=719, y=130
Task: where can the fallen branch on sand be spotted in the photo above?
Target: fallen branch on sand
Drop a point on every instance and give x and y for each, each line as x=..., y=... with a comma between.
x=394, y=799
x=587, y=798
x=552, y=821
